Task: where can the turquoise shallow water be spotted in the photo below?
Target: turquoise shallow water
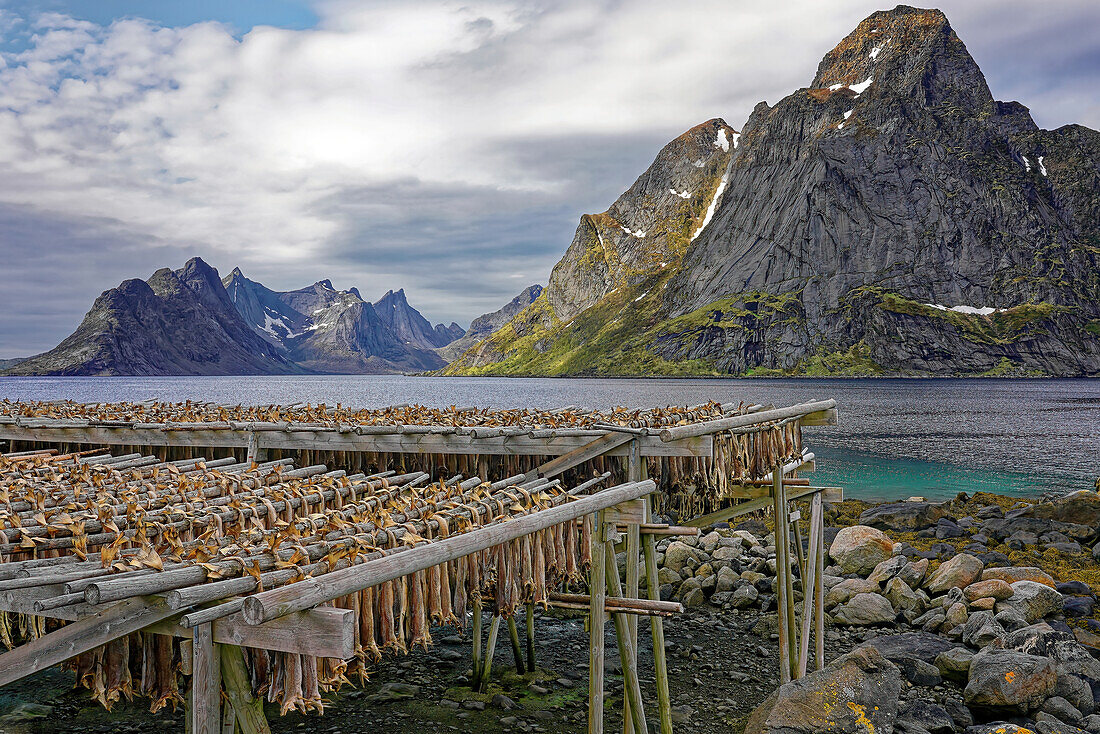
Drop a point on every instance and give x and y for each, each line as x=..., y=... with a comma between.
x=876, y=477
x=896, y=437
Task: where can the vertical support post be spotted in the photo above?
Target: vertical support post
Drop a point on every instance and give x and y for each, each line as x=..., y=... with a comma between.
x=248, y=710
x=475, y=677
x=517, y=651
x=531, y=637
x=819, y=585
x=779, y=511
x=628, y=655
x=633, y=540
x=800, y=554
x=186, y=661
x=657, y=630
x=792, y=625
x=809, y=587
x=490, y=648
x=596, y=594
x=206, y=683
x=255, y=453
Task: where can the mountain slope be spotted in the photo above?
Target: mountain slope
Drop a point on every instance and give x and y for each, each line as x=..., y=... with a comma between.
x=326, y=330
x=178, y=322
x=890, y=218
x=486, y=324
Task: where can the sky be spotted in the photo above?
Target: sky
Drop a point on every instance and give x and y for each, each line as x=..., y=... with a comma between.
x=448, y=148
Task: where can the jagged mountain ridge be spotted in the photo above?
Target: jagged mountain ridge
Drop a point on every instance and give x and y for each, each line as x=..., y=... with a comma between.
x=177, y=323
x=486, y=324
x=327, y=330
x=891, y=218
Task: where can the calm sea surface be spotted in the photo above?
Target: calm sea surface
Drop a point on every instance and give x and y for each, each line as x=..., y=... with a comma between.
x=896, y=437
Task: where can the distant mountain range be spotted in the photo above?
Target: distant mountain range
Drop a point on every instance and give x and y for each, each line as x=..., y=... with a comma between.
x=191, y=322
x=891, y=218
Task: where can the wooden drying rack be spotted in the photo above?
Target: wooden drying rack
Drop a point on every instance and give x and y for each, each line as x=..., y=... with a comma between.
x=287, y=620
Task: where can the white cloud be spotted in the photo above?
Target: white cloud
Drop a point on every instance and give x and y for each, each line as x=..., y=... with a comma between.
x=245, y=148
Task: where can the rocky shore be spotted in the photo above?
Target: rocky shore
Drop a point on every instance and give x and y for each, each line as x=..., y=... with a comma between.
x=974, y=616
x=981, y=612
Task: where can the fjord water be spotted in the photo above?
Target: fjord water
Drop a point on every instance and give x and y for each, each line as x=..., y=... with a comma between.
x=896, y=438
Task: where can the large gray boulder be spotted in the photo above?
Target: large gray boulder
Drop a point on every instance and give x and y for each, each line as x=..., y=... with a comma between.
x=858, y=549
x=903, y=516
x=854, y=694
x=680, y=555
x=865, y=609
x=1033, y=599
x=1006, y=680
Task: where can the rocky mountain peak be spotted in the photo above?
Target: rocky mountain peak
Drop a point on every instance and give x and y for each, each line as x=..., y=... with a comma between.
x=909, y=52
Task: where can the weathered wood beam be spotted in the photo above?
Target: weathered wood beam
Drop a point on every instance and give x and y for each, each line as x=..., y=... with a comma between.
x=80, y=636
x=522, y=445
x=829, y=494
x=578, y=456
x=738, y=421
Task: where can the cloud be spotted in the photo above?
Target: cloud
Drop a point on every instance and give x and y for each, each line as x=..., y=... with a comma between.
x=443, y=147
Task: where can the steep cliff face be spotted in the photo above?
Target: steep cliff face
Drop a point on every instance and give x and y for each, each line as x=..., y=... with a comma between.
x=328, y=330
x=892, y=217
x=179, y=322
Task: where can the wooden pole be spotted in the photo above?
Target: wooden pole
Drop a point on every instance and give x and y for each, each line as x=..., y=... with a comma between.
x=657, y=632
x=809, y=586
x=475, y=677
x=490, y=648
x=634, y=474
x=737, y=421
x=238, y=688
x=531, y=638
x=517, y=651
x=597, y=575
x=792, y=627
x=779, y=515
x=206, y=683
x=819, y=586
x=628, y=656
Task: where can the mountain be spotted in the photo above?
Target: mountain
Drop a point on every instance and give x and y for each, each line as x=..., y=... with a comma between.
x=408, y=325
x=179, y=322
x=326, y=330
x=11, y=362
x=486, y=324
x=891, y=218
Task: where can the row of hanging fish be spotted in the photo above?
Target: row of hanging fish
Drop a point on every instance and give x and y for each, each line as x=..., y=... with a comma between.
x=273, y=522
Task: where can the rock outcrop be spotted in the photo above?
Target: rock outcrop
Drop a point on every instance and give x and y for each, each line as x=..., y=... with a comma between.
x=890, y=218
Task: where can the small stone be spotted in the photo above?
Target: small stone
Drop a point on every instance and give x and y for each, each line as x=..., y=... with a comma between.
x=501, y=701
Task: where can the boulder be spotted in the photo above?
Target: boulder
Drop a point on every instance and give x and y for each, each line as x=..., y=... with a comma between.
x=1033, y=600
x=954, y=663
x=848, y=588
x=903, y=516
x=888, y=569
x=996, y=588
x=960, y=571
x=865, y=609
x=744, y=596
x=855, y=693
x=1012, y=574
x=982, y=629
x=1079, y=508
x=727, y=580
x=914, y=573
x=680, y=556
x=920, y=645
x=928, y=716
x=709, y=542
x=910, y=603
x=1006, y=680
x=858, y=549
